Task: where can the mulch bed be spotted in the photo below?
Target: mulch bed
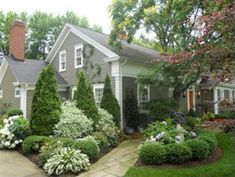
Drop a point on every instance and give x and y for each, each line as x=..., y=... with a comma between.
x=218, y=154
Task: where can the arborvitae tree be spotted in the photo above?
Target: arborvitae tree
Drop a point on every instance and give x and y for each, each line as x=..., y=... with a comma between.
x=46, y=103
x=85, y=99
x=110, y=103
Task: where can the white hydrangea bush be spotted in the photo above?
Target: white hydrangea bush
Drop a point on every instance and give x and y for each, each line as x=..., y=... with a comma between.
x=66, y=159
x=7, y=137
x=73, y=122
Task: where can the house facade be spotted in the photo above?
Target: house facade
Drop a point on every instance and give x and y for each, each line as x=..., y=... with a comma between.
x=78, y=48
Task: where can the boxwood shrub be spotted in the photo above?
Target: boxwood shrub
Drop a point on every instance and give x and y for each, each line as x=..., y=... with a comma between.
x=14, y=112
x=212, y=142
x=178, y=153
x=34, y=143
x=200, y=148
x=152, y=154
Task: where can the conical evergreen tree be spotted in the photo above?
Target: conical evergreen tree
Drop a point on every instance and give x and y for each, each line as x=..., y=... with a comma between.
x=85, y=99
x=110, y=103
x=46, y=103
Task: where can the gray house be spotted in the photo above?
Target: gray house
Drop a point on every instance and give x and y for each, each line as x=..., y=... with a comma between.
x=78, y=48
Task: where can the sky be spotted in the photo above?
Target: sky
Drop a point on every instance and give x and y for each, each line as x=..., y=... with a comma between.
x=96, y=11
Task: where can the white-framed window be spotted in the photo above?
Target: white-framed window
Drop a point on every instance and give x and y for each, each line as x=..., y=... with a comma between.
x=226, y=94
x=98, y=90
x=17, y=92
x=233, y=93
x=218, y=95
x=62, y=60
x=143, y=93
x=1, y=94
x=74, y=89
x=78, y=56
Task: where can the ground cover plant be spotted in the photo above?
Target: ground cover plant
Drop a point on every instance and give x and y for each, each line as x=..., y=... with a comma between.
x=224, y=167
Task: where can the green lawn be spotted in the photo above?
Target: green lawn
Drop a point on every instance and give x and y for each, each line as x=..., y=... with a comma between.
x=225, y=167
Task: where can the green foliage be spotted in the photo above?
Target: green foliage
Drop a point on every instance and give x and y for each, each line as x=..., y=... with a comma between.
x=110, y=103
x=102, y=141
x=14, y=112
x=225, y=115
x=152, y=154
x=178, y=153
x=212, y=142
x=156, y=130
x=131, y=111
x=161, y=108
x=21, y=128
x=85, y=100
x=73, y=122
x=42, y=30
x=200, y=148
x=88, y=146
x=107, y=128
x=66, y=160
x=223, y=167
x=34, y=143
x=46, y=103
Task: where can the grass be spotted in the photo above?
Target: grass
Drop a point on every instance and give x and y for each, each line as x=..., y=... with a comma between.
x=224, y=167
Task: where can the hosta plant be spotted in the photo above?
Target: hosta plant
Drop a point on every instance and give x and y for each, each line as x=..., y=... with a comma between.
x=66, y=160
x=14, y=130
x=73, y=122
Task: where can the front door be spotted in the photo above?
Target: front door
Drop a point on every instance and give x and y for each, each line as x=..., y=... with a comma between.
x=190, y=99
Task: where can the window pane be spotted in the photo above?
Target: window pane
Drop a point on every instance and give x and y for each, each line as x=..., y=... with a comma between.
x=226, y=94
x=218, y=94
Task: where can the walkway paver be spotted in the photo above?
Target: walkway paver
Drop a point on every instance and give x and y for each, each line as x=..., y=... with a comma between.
x=117, y=162
x=14, y=164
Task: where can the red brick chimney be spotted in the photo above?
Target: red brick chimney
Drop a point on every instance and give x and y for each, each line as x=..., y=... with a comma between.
x=17, y=40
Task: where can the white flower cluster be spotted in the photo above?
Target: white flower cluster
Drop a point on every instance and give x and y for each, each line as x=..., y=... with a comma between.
x=7, y=138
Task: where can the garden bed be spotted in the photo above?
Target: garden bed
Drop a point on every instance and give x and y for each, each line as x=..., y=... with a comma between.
x=217, y=155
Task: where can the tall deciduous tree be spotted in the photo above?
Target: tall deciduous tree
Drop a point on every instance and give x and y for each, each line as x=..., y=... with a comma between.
x=46, y=103
x=84, y=98
x=109, y=102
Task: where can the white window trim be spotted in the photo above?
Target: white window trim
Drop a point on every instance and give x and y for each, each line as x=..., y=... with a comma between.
x=79, y=46
x=138, y=97
x=74, y=89
x=60, y=60
x=1, y=93
x=97, y=86
x=17, y=89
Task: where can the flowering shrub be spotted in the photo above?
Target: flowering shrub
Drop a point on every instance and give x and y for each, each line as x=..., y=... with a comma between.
x=73, y=122
x=107, y=128
x=14, y=130
x=65, y=160
x=165, y=132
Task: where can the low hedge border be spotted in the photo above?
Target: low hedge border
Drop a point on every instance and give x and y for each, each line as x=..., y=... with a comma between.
x=195, y=149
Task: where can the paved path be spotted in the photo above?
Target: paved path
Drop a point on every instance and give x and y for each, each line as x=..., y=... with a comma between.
x=13, y=164
x=117, y=162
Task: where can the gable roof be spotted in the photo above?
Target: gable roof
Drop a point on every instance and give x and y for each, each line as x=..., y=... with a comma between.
x=28, y=71
x=131, y=51
x=100, y=41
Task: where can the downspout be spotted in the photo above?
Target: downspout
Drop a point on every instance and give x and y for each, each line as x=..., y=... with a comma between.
x=120, y=91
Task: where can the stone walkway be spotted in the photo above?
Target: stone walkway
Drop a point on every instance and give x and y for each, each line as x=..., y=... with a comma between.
x=14, y=164
x=117, y=162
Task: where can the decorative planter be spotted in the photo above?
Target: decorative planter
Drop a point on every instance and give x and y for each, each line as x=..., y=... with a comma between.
x=129, y=130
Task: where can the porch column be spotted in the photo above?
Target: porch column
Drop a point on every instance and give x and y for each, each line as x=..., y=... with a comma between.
x=216, y=105
x=23, y=100
x=118, y=94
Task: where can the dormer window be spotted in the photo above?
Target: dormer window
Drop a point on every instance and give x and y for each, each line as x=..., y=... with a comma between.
x=78, y=58
x=62, y=60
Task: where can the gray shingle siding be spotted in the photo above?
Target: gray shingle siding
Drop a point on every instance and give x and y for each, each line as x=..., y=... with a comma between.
x=93, y=62
x=9, y=91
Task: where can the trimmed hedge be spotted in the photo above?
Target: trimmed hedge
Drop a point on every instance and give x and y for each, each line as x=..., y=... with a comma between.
x=200, y=148
x=212, y=142
x=178, y=153
x=34, y=143
x=152, y=154
x=194, y=149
